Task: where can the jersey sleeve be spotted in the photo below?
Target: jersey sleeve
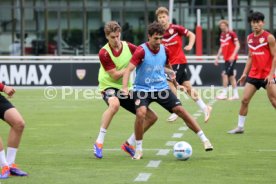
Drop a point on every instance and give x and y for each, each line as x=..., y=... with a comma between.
x=106, y=60
x=138, y=56
x=1, y=86
x=234, y=36
x=182, y=31
x=131, y=47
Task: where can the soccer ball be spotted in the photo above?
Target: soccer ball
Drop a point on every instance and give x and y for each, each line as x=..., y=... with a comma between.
x=182, y=150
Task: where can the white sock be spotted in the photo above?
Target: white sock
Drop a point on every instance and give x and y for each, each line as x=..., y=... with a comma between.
x=11, y=155
x=131, y=140
x=201, y=104
x=202, y=136
x=241, y=121
x=139, y=144
x=235, y=90
x=3, y=161
x=224, y=91
x=101, y=135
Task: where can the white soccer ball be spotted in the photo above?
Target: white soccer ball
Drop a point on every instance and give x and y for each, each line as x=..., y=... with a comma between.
x=182, y=150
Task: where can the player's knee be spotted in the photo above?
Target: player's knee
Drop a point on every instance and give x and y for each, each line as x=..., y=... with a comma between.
x=245, y=101
x=273, y=102
x=177, y=110
x=19, y=124
x=114, y=106
x=140, y=113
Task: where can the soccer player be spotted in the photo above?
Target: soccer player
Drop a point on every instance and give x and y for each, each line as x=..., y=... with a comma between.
x=11, y=116
x=172, y=39
x=259, y=70
x=114, y=58
x=150, y=85
x=229, y=47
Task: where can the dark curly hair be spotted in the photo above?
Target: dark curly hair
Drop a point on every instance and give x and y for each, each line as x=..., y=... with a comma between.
x=155, y=27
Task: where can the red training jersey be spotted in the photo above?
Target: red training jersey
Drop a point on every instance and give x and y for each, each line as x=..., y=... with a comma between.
x=227, y=43
x=106, y=60
x=260, y=55
x=1, y=86
x=172, y=39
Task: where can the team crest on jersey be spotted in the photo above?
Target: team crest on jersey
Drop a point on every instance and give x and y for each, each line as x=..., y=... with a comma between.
x=137, y=102
x=171, y=31
x=80, y=73
x=261, y=40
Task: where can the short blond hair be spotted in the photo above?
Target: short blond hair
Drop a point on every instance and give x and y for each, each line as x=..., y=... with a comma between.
x=223, y=22
x=161, y=10
x=111, y=27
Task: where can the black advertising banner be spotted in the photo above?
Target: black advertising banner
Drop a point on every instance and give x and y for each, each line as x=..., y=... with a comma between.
x=86, y=74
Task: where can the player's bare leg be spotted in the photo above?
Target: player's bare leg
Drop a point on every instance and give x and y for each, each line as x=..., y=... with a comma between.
x=113, y=107
x=271, y=93
x=233, y=82
x=248, y=93
x=194, y=95
x=139, y=131
x=193, y=125
x=150, y=119
x=17, y=124
x=225, y=81
x=173, y=116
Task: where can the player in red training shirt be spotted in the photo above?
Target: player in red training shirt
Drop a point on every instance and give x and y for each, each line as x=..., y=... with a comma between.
x=13, y=118
x=172, y=39
x=229, y=47
x=259, y=70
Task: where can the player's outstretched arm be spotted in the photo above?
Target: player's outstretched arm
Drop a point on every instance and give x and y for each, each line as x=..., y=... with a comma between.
x=191, y=43
x=126, y=75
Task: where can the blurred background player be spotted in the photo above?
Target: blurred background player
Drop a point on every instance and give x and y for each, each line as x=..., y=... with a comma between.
x=150, y=86
x=229, y=48
x=172, y=39
x=114, y=58
x=10, y=115
x=260, y=67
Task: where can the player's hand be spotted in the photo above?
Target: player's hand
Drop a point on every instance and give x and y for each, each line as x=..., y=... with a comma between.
x=188, y=48
x=269, y=79
x=242, y=79
x=216, y=62
x=125, y=91
x=171, y=74
x=9, y=90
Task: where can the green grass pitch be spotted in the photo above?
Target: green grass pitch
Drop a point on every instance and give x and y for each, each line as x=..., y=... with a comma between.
x=57, y=144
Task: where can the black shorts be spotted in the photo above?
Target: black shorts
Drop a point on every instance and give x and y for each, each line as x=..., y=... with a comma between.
x=127, y=102
x=229, y=68
x=4, y=105
x=181, y=73
x=258, y=83
x=164, y=98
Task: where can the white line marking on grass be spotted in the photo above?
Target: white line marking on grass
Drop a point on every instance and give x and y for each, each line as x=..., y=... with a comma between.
x=267, y=150
x=196, y=114
x=117, y=149
x=171, y=143
x=163, y=152
x=177, y=135
x=143, y=177
x=154, y=163
x=184, y=128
